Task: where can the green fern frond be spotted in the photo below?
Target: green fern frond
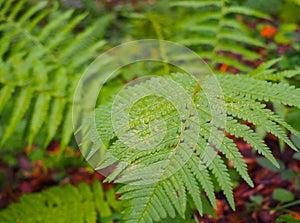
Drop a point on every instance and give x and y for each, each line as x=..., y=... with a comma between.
x=251, y=88
x=210, y=28
x=266, y=72
x=64, y=204
x=192, y=187
x=220, y=171
x=203, y=178
x=232, y=153
x=255, y=113
x=153, y=201
x=218, y=30
x=181, y=170
x=44, y=78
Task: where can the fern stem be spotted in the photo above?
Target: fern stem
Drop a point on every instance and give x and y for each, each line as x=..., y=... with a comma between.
x=218, y=32
x=162, y=49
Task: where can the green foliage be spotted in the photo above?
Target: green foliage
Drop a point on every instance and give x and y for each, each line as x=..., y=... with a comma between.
x=42, y=56
x=285, y=172
x=287, y=218
x=65, y=203
x=264, y=6
x=214, y=32
x=290, y=11
x=245, y=99
x=285, y=34
x=44, y=52
x=283, y=195
x=210, y=28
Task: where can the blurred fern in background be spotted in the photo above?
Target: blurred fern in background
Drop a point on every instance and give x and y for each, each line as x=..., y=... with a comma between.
x=43, y=53
x=66, y=203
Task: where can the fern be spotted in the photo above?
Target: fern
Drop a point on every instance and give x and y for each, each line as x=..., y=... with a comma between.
x=178, y=168
x=41, y=65
x=213, y=31
x=65, y=204
x=210, y=28
x=157, y=180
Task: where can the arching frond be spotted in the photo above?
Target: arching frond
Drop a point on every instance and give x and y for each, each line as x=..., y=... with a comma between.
x=43, y=79
x=174, y=166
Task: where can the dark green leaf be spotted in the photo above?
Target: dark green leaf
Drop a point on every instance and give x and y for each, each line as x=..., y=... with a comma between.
x=282, y=195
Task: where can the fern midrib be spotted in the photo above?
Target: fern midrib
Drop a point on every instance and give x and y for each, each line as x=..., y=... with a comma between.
x=216, y=42
x=162, y=50
x=148, y=202
x=168, y=163
x=153, y=193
